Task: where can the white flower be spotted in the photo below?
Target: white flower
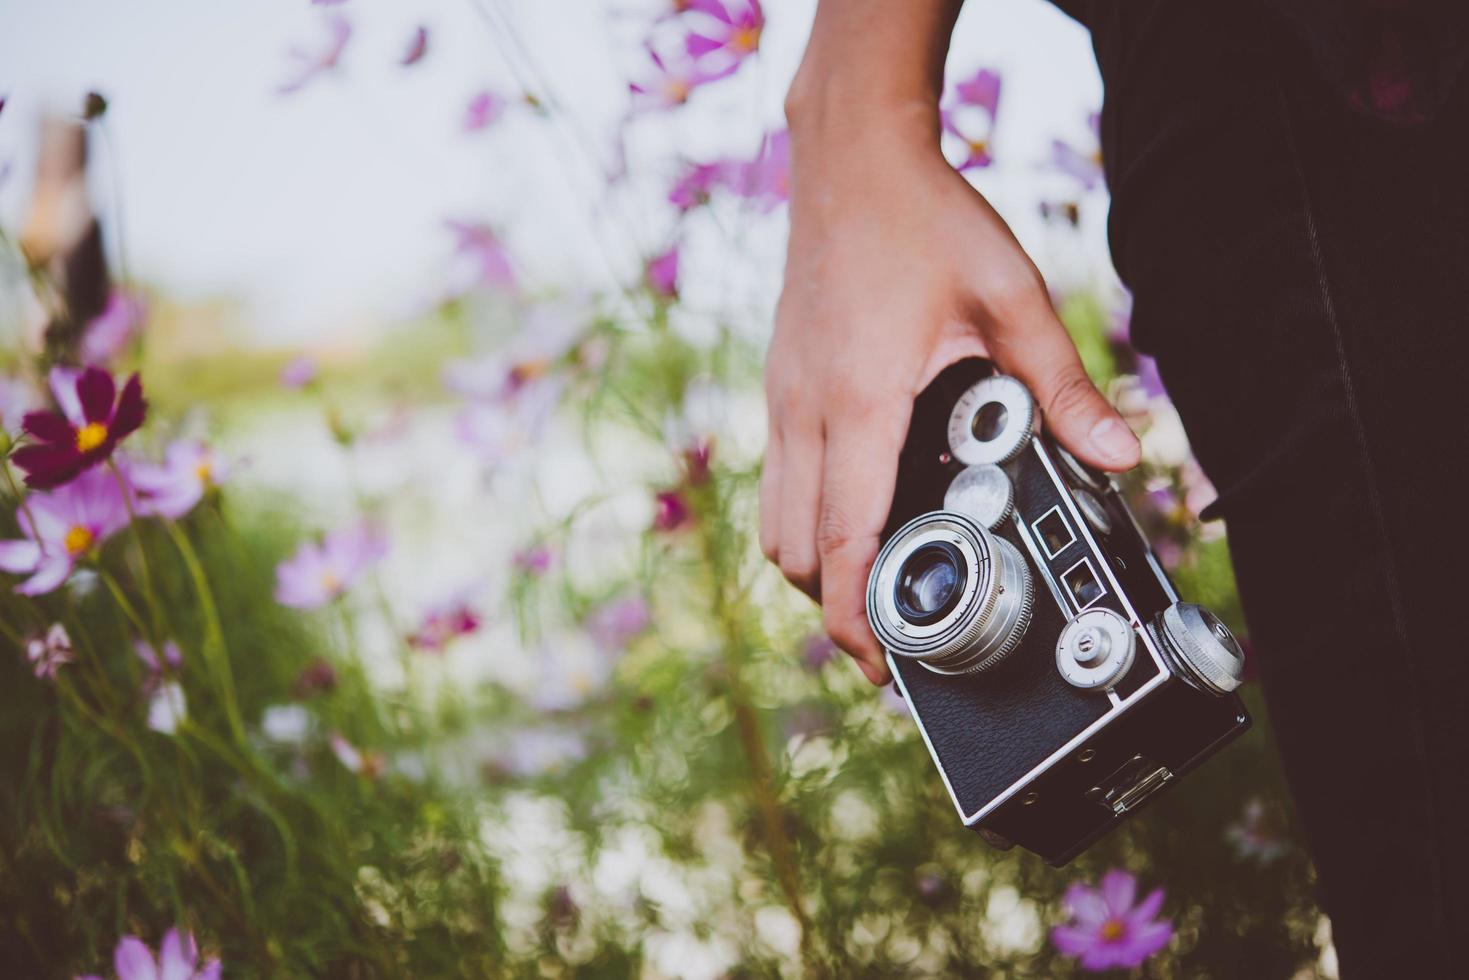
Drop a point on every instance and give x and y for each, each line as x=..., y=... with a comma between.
x=166, y=708
x=288, y=724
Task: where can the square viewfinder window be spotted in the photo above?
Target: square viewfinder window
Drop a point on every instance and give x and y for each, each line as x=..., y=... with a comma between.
x=1054, y=532
x=1081, y=583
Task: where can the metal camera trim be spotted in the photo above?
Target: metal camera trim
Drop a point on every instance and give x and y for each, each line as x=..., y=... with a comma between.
x=1020, y=416
x=994, y=606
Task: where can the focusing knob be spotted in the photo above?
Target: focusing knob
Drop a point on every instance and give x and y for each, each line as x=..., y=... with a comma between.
x=982, y=492
x=1210, y=656
x=1095, y=649
x=991, y=422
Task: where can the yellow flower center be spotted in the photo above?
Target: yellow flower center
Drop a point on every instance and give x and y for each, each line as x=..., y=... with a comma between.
x=90, y=436
x=1112, y=930
x=978, y=148
x=205, y=470
x=78, y=539
x=678, y=91
x=330, y=582
x=746, y=39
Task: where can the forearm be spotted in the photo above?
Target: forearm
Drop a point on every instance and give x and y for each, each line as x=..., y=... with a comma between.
x=872, y=59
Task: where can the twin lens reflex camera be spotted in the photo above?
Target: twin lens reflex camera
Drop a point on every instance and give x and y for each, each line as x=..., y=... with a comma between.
x=1054, y=674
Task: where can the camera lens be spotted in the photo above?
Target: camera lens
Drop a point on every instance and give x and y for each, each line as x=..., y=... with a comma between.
x=947, y=592
x=930, y=582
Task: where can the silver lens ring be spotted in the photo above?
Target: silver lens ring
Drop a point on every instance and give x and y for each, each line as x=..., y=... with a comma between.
x=1002, y=402
x=1208, y=653
x=990, y=615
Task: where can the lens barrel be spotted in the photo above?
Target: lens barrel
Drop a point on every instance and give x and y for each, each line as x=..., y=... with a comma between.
x=948, y=593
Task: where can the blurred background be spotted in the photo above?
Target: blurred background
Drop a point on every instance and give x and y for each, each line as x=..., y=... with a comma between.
x=428, y=635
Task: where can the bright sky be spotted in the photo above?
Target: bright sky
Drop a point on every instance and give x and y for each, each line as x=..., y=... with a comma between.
x=323, y=211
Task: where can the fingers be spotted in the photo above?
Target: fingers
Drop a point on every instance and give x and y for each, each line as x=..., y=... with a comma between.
x=861, y=464
x=1029, y=342
x=800, y=496
x=770, y=494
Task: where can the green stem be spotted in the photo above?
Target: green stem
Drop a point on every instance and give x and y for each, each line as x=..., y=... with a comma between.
x=216, y=654
x=123, y=603
x=155, y=608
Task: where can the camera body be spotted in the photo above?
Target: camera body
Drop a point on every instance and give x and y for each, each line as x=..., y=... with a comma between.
x=1057, y=679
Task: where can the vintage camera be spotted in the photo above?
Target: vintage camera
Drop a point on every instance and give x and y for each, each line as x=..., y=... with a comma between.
x=1055, y=675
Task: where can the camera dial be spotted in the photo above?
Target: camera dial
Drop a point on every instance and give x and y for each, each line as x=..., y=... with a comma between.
x=1095, y=649
x=991, y=422
x=1209, y=655
x=982, y=492
x=950, y=594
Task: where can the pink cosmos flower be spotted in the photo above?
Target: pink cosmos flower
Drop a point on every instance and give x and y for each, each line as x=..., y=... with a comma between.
x=178, y=959
x=671, y=85
x=92, y=421
x=484, y=110
x=614, y=624
x=16, y=399
x=766, y=180
x=1084, y=165
x=970, y=118
x=319, y=572
x=157, y=667
x=308, y=64
x=49, y=651
x=696, y=460
x=69, y=523
x=671, y=511
x=1106, y=930
x=173, y=488
x=534, y=752
x=110, y=332
x=663, y=273
x=726, y=32
x=368, y=764
x=417, y=47
x=440, y=626
x=533, y=559
x=483, y=255
x=698, y=182
x=300, y=372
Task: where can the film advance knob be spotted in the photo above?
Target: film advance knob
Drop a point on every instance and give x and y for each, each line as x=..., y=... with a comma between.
x=1203, y=646
x=982, y=492
x=1095, y=649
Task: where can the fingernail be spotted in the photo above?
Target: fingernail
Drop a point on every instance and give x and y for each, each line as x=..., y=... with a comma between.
x=1114, y=440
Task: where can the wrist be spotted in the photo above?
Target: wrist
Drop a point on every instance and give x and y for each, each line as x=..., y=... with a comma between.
x=835, y=107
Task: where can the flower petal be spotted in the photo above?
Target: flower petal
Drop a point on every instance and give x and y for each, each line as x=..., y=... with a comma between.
x=131, y=408
x=1074, y=940
x=1143, y=942
x=48, y=577
x=95, y=391
x=1147, y=909
x=49, y=427
x=19, y=556
x=133, y=961
x=49, y=466
x=63, y=382
x=1118, y=889
x=176, y=956
x=1086, y=905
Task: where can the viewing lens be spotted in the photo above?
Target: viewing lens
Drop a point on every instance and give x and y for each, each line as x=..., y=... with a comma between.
x=989, y=421
x=930, y=583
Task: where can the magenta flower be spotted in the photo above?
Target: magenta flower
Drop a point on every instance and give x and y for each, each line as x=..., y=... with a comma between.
x=670, y=511
x=92, y=421
x=178, y=959
x=1085, y=166
x=317, y=677
x=440, y=626
x=299, y=373
x=48, y=651
x=417, y=47
x=697, y=184
x=533, y=559
x=766, y=180
x=110, y=332
x=173, y=488
x=319, y=572
x=614, y=624
x=171, y=662
x=663, y=273
x=1106, y=930
x=69, y=523
x=483, y=254
x=308, y=64
x=484, y=110
x=364, y=763
x=696, y=461
x=728, y=33
x=671, y=85
x=970, y=118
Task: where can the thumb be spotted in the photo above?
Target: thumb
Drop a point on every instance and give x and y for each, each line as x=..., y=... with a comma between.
x=1033, y=345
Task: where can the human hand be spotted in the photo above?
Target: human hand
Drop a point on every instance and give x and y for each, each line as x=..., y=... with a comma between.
x=896, y=268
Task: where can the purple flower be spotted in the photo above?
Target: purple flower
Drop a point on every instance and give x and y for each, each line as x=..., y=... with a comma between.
x=730, y=33
x=47, y=652
x=69, y=522
x=300, y=372
x=670, y=511
x=671, y=85
x=173, y=488
x=663, y=273
x=16, y=399
x=1106, y=930
x=484, y=110
x=479, y=249
x=92, y=421
x=1085, y=166
x=417, y=47
x=440, y=626
x=110, y=332
x=368, y=764
x=166, y=707
x=970, y=117
x=318, y=573
x=308, y=64
x=171, y=662
x=178, y=959
x=818, y=651
x=696, y=185
x=766, y=180
x=533, y=559
x=317, y=677
x=614, y=624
